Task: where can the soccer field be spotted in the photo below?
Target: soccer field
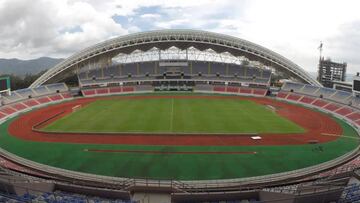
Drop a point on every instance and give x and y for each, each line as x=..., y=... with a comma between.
x=174, y=115
x=151, y=113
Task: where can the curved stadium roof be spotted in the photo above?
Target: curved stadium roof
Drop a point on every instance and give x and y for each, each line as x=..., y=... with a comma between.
x=183, y=39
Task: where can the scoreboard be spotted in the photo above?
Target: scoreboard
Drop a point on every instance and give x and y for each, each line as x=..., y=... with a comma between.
x=4, y=84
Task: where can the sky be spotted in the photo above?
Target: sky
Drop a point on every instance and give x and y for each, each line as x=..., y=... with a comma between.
x=293, y=28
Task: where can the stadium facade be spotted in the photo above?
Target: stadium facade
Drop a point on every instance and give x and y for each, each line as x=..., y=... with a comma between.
x=102, y=53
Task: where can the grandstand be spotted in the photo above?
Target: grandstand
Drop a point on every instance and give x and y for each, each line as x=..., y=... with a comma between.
x=342, y=103
x=150, y=71
x=25, y=99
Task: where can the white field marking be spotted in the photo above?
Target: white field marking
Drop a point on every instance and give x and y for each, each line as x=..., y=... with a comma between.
x=271, y=108
x=172, y=115
x=334, y=135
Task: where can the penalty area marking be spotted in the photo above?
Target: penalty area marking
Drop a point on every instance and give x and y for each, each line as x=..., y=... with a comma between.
x=168, y=152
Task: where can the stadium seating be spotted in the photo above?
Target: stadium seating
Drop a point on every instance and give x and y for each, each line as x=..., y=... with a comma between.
x=102, y=91
x=245, y=90
x=232, y=89
x=31, y=102
x=58, y=197
x=320, y=103
x=295, y=87
x=332, y=107
x=115, y=90
x=340, y=102
x=7, y=110
x=219, y=89
x=307, y=100
x=18, y=106
x=342, y=97
x=354, y=116
x=282, y=95
x=351, y=194
x=43, y=100
x=42, y=90
x=24, y=94
x=66, y=95
x=56, y=97
x=337, y=96
x=356, y=102
x=151, y=71
x=294, y=97
x=2, y=115
x=309, y=90
x=240, y=90
x=344, y=111
x=88, y=92
x=19, y=100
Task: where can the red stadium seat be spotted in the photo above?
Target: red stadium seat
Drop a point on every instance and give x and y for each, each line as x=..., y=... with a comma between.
x=128, y=89
x=56, y=97
x=282, y=95
x=115, y=89
x=344, y=111
x=88, y=92
x=320, y=103
x=358, y=122
x=245, y=90
x=307, y=100
x=102, y=91
x=30, y=102
x=332, y=107
x=219, y=89
x=259, y=92
x=354, y=116
x=66, y=95
x=19, y=106
x=2, y=115
x=7, y=110
x=43, y=100
x=232, y=89
x=294, y=97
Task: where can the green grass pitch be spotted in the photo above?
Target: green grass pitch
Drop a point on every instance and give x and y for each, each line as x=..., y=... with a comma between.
x=175, y=115
x=267, y=160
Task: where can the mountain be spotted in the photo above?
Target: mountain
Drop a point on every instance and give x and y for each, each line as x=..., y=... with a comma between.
x=22, y=67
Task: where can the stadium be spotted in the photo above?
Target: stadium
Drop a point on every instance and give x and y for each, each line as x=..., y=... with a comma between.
x=178, y=116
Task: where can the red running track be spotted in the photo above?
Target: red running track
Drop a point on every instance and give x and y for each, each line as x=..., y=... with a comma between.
x=315, y=123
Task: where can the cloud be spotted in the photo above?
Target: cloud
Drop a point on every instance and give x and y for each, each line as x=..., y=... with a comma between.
x=29, y=29
x=150, y=15
x=345, y=46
